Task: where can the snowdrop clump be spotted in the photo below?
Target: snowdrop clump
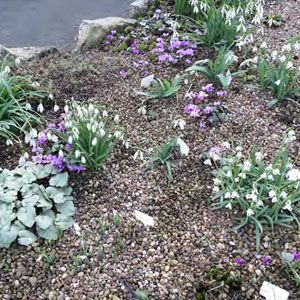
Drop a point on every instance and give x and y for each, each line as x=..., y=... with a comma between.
x=260, y=192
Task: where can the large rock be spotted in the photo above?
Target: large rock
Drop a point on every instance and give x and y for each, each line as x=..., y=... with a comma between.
x=93, y=32
x=26, y=53
x=138, y=7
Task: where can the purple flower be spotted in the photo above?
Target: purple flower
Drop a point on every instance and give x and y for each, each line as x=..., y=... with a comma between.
x=185, y=52
x=157, y=14
x=221, y=93
x=188, y=61
x=213, y=151
x=192, y=110
x=166, y=58
x=184, y=43
x=266, y=260
x=110, y=37
x=175, y=44
x=239, y=261
x=208, y=110
x=56, y=161
x=74, y=168
x=51, y=126
x=202, y=125
x=42, y=139
x=122, y=73
x=208, y=88
x=37, y=150
x=296, y=256
x=68, y=147
x=61, y=127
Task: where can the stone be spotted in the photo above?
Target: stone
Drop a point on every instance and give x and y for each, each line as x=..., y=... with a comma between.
x=33, y=281
x=273, y=292
x=93, y=32
x=138, y=8
x=26, y=53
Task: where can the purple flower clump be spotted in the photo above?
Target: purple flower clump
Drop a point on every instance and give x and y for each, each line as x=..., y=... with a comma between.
x=239, y=261
x=296, y=256
x=192, y=110
x=266, y=260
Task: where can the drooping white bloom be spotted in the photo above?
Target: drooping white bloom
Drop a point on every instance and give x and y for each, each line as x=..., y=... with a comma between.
x=259, y=156
x=289, y=65
x=272, y=194
x=56, y=108
x=77, y=229
x=9, y=142
x=70, y=139
x=242, y=175
x=104, y=114
x=293, y=174
x=66, y=109
x=276, y=172
x=77, y=153
x=250, y=212
x=247, y=165
x=83, y=160
x=282, y=58
x=207, y=162
x=234, y=194
x=283, y=195
x=228, y=205
x=226, y=145
x=28, y=106
x=288, y=205
x=216, y=189
x=94, y=141
x=117, y=118
x=274, y=200
x=227, y=195
x=217, y=181
x=60, y=153
x=180, y=123
x=40, y=108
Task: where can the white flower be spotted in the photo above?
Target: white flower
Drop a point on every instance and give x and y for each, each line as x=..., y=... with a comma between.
x=234, y=195
x=217, y=181
x=60, y=153
x=28, y=106
x=9, y=142
x=226, y=145
x=250, y=212
x=142, y=110
x=70, y=139
x=228, y=205
x=227, y=195
x=283, y=195
x=259, y=203
x=40, y=108
x=272, y=194
x=282, y=58
x=289, y=65
x=216, y=189
x=56, y=108
x=105, y=114
x=247, y=165
x=229, y=174
x=288, y=205
x=293, y=175
x=77, y=153
x=263, y=176
x=263, y=45
x=102, y=132
x=35, y=84
x=179, y=122
x=287, y=47
x=238, y=148
x=277, y=82
x=259, y=156
x=94, y=141
x=274, y=199
x=270, y=177
x=274, y=55
x=66, y=109
x=117, y=118
x=254, y=49
x=83, y=160
x=242, y=175
x=51, y=96
x=276, y=172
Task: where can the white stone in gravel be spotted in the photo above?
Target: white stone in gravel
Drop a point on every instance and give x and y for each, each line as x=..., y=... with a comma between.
x=146, y=81
x=145, y=219
x=273, y=292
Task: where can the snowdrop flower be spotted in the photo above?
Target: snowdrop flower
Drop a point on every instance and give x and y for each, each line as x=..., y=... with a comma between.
x=28, y=106
x=217, y=181
x=259, y=156
x=35, y=84
x=70, y=139
x=277, y=82
x=242, y=175
x=66, y=109
x=9, y=142
x=229, y=174
x=216, y=189
x=293, y=175
x=283, y=195
x=77, y=153
x=180, y=123
x=56, y=108
x=226, y=145
x=228, y=205
x=250, y=212
x=287, y=47
x=288, y=205
x=259, y=203
x=270, y=177
x=254, y=49
x=139, y=154
x=274, y=200
x=94, y=141
x=276, y=172
x=77, y=229
x=83, y=160
x=289, y=65
x=238, y=149
x=104, y=114
x=234, y=195
x=40, y=108
x=274, y=55
x=247, y=165
x=117, y=118
x=263, y=176
x=60, y=153
x=282, y=58
x=263, y=45
x=50, y=96
x=102, y=132
x=227, y=195
x=142, y=110
x=272, y=193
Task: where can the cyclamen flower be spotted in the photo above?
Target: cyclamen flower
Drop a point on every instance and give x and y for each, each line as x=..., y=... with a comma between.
x=208, y=88
x=68, y=147
x=42, y=139
x=239, y=261
x=202, y=125
x=122, y=73
x=75, y=168
x=208, y=110
x=222, y=93
x=296, y=256
x=166, y=58
x=192, y=110
x=266, y=260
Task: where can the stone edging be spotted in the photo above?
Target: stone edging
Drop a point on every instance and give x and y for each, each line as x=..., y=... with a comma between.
x=90, y=33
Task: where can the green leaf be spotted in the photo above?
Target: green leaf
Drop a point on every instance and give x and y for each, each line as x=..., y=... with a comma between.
x=26, y=237
x=63, y=221
x=66, y=208
x=7, y=236
x=26, y=215
x=51, y=233
x=44, y=221
x=59, y=180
